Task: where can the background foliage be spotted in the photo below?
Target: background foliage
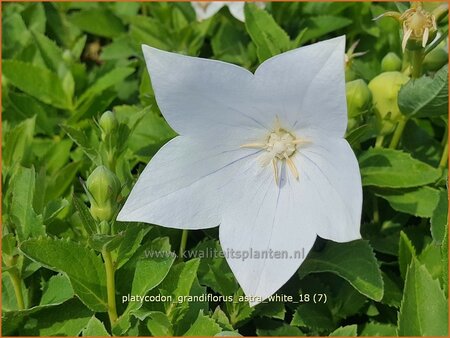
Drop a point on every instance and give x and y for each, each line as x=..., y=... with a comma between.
x=64, y=64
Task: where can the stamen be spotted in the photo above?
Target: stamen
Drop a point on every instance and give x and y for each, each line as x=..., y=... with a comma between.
x=275, y=170
x=291, y=166
x=254, y=145
x=406, y=38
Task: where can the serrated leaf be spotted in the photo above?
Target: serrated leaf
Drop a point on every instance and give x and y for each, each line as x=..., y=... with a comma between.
x=424, y=309
x=439, y=218
x=348, y=331
x=425, y=96
x=270, y=39
x=203, y=326
x=27, y=222
x=86, y=218
x=373, y=329
x=17, y=146
x=405, y=254
x=159, y=325
x=67, y=319
x=98, y=21
x=391, y=168
x=421, y=202
x=316, y=316
x=354, y=261
x=38, y=82
x=95, y=328
x=83, y=267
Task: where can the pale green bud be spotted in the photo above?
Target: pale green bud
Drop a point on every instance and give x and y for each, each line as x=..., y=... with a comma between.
x=435, y=60
x=391, y=62
x=385, y=88
x=358, y=97
x=103, y=188
x=108, y=123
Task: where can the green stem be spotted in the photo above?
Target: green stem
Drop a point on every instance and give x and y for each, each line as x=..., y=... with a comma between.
x=379, y=141
x=17, y=284
x=416, y=62
x=183, y=242
x=398, y=133
x=110, y=286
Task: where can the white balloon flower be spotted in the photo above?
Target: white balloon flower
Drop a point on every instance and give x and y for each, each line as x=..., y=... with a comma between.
x=262, y=155
x=206, y=9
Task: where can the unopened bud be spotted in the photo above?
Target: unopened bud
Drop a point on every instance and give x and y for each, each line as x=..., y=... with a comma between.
x=108, y=123
x=358, y=97
x=385, y=88
x=435, y=59
x=391, y=62
x=103, y=188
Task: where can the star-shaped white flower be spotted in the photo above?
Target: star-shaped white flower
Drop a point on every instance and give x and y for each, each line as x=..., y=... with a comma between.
x=262, y=155
x=206, y=9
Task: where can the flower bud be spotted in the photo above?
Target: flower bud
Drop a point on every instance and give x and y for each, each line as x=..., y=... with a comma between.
x=384, y=89
x=435, y=60
x=358, y=97
x=108, y=123
x=391, y=62
x=103, y=188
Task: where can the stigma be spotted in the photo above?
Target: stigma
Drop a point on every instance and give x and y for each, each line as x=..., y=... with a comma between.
x=278, y=146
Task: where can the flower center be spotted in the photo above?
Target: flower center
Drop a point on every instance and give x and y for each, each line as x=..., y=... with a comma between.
x=279, y=146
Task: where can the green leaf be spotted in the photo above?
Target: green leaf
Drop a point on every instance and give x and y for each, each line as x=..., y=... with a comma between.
x=426, y=96
x=98, y=21
x=321, y=25
x=424, y=309
x=354, y=261
x=130, y=243
x=38, y=82
x=159, y=325
x=56, y=291
x=86, y=218
x=147, y=272
x=17, y=146
x=390, y=168
x=439, y=218
x=373, y=329
x=269, y=38
x=62, y=181
x=316, y=316
x=444, y=261
x=50, y=51
x=27, y=222
x=83, y=267
x=349, y=331
x=95, y=328
x=203, y=326
x=430, y=257
x=67, y=319
x=406, y=253
x=421, y=202
x=269, y=327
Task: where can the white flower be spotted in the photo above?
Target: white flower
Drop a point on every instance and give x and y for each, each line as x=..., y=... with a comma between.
x=206, y=9
x=261, y=154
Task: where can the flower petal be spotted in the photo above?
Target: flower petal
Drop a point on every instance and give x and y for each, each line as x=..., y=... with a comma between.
x=263, y=218
x=206, y=9
x=330, y=177
x=306, y=87
x=198, y=96
x=181, y=186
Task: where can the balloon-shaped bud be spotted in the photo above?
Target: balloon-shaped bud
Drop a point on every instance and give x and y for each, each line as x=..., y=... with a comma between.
x=391, y=63
x=103, y=188
x=108, y=123
x=358, y=97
